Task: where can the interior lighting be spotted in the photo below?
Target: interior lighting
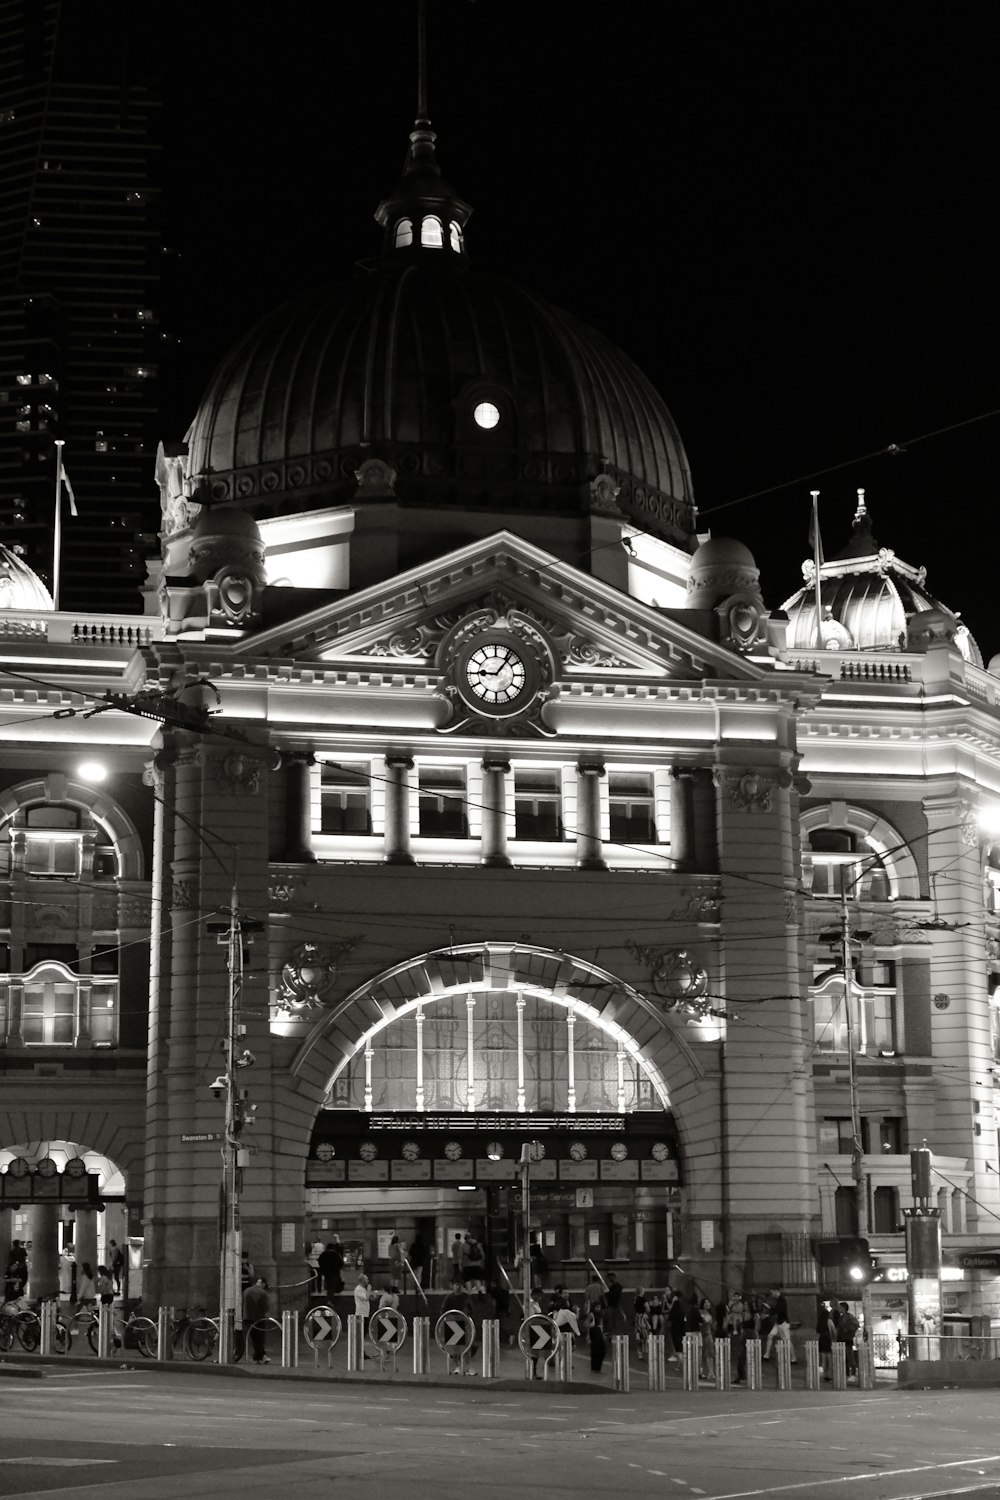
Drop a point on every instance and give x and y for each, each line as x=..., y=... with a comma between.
x=486, y=415
x=92, y=770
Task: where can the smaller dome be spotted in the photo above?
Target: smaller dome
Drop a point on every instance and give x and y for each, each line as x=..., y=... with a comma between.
x=20, y=586
x=721, y=567
x=225, y=520
x=225, y=538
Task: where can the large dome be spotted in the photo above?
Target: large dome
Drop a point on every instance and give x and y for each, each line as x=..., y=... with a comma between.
x=474, y=391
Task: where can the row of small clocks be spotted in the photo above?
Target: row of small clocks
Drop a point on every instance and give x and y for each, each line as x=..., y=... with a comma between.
x=20, y=1167
x=455, y=1150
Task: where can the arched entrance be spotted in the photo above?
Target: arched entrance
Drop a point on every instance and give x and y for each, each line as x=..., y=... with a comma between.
x=441, y=1069
x=66, y=1204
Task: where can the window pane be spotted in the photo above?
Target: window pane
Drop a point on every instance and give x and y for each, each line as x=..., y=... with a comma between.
x=443, y=802
x=631, y=807
x=48, y=1016
x=537, y=805
x=44, y=856
x=104, y=1015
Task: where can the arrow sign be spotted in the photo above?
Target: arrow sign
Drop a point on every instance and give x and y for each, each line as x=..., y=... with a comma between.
x=454, y=1332
x=537, y=1335
x=387, y=1328
x=321, y=1326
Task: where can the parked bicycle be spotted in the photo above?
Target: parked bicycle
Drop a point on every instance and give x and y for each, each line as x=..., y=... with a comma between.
x=20, y=1321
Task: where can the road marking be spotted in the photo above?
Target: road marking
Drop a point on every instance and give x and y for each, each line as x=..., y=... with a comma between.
x=33, y=1461
x=784, y=1489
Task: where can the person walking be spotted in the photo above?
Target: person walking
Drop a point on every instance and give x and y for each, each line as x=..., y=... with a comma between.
x=781, y=1328
x=362, y=1297
x=396, y=1260
x=86, y=1287
x=677, y=1319
x=614, y=1320
x=847, y=1332
x=256, y=1308
x=473, y=1260
x=596, y=1309
x=330, y=1266
x=105, y=1286
x=826, y=1333
x=456, y=1259
x=116, y=1259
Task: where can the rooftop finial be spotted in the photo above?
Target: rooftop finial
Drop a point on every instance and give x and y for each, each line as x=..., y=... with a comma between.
x=861, y=511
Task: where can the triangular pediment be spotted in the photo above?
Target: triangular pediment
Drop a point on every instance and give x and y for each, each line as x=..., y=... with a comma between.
x=594, y=629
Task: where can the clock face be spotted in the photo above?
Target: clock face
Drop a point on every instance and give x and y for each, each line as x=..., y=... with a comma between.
x=453, y=1150
x=619, y=1151
x=578, y=1151
x=411, y=1151
x=325, y=1151
x=495, y=673
x=660, y=1151
x=368, y=1151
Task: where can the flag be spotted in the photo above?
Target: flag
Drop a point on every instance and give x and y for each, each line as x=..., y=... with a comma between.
x=69, y=489
x=815, y=540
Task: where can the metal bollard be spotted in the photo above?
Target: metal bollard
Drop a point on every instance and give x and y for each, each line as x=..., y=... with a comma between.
x=783, y=1359
x=657, y=1368
x=755, y=1369
x=164, y=1333
x=105, y=1330
x=692, y=1360
x=227, y=1337
x=723, y=1364
x=865, y=1356
x=289, y=1341
x=564, y=1357
x=355, y=1342
x=838, y=1365
x=619, y=1362
x=421, y=1346
x=812, y=1365
x=491, y=1348
x=47, y=1327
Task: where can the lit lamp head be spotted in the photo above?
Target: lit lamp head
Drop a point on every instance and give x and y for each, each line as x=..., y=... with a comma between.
x=92, y=770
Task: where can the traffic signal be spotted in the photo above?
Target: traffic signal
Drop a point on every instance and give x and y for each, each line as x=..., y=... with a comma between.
x=856, y=1261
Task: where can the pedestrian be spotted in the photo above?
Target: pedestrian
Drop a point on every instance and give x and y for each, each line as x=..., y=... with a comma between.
x=677, y=1318
x=395, y=1259
x=561, y=1313
x=86, y=1287
x=781, y=1328
x=706, y=1321
x=330, y=1265
x=538, y=1263
x=389, y=1298
x=614, y=1321
x=362, y=1297
x=847, y=1332
x=640, y=1321
x=256, y=1309
x=105, y=1286
x=596, y=1309
x=826, y=1333
x=16, y=1273
x=473, y=1260
x=418, y=1259
x=117, y=1263
x=654, y=1311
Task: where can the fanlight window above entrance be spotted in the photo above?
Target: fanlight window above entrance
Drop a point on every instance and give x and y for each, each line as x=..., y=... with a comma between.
x=495, y=1050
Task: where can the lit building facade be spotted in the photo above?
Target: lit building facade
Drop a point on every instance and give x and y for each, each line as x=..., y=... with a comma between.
x=540, y=815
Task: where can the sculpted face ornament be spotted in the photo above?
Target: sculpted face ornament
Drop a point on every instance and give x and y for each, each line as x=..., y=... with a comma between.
x=309, y=976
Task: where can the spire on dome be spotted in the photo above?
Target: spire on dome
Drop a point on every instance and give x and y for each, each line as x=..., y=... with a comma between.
x=424, y=216
x=862, y=543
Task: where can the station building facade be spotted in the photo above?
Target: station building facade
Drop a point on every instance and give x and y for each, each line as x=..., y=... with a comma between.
x=539, y=815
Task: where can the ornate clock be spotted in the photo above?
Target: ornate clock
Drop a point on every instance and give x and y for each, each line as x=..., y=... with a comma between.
x=496, y=673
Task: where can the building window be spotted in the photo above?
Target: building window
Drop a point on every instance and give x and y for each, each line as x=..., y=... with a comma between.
x=486, y=415
x=48, y=1016
x=845, y=1210
x=404, y=234
x=455, y=236
x=443, y=802
x=874, y=1012
x=431, y=236
x=538, y=805
x=104, y=1015
x=345, y=799
x=54, y=855
x=890, y=1136
x=885, y=1210
x=632, y=807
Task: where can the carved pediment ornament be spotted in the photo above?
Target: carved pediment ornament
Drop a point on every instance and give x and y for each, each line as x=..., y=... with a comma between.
x=516, y=659
x=892, y=931
x=674, y=976
x=309, y=976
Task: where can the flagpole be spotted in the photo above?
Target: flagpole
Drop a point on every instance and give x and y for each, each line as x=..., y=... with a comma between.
x=817, y=563
x=57, y=527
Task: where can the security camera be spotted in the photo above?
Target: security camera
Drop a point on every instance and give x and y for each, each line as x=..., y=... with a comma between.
x=246, y=1059
x=219, y=1086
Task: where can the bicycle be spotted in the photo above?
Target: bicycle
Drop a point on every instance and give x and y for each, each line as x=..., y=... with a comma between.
x=25, y=1324
x=134, y=1332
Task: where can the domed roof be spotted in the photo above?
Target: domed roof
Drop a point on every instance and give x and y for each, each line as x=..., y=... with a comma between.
x=868, y=597
x=20, y=586
x=475, y=391
x=721, y=567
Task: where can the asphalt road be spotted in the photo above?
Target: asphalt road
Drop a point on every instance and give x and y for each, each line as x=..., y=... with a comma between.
x=151, y=1435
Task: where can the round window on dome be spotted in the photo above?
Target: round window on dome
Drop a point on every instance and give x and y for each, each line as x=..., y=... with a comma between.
x=486, y=415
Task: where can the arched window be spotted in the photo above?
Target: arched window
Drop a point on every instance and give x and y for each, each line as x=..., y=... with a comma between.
x=848, y=847
x=431, y=236
x=455, y=235
x=404, y=234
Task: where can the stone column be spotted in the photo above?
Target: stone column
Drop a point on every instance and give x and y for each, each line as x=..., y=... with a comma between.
x=588, y=817
x=682, y=818
x=298, y=809
x=44, y=1252
x=397, y=809
x=494, y=838
x=706, y=838
x=85, y=1238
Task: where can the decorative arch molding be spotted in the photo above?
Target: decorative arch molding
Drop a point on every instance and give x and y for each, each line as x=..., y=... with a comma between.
x=117, y=1136
x=880, y=835
x=560, y=979
x=59, y=788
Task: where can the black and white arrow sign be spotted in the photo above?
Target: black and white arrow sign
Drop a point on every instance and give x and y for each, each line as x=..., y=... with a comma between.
x=454, y=1332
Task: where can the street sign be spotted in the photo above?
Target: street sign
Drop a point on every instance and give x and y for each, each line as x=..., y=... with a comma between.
x=538, y=1336
x=321, y=1326
x=202, y=1135
x=454, y=1333
x=387, y=1328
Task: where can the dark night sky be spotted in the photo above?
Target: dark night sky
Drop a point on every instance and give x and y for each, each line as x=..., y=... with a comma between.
x=781, y=212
